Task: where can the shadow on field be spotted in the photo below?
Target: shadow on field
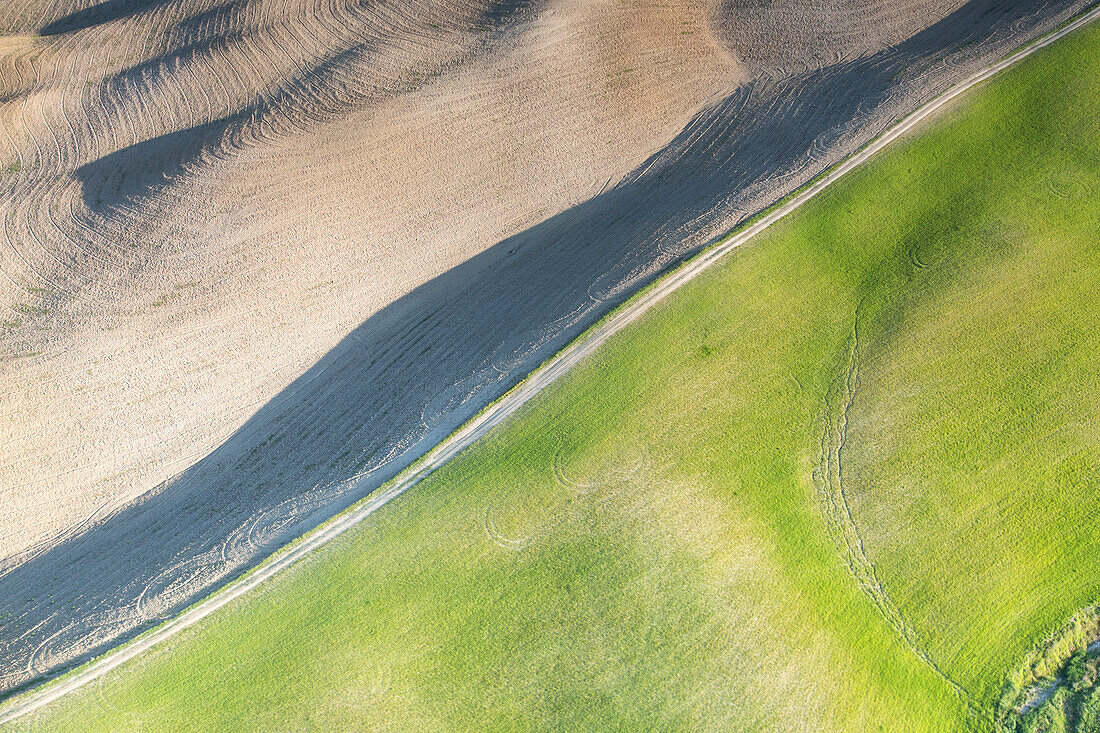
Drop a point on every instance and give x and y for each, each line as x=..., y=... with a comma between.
x=318, y=90
x=98, y=14
x=416, y=370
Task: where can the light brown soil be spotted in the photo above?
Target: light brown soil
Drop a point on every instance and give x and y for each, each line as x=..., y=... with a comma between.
x=187, y=281
x=258, y=255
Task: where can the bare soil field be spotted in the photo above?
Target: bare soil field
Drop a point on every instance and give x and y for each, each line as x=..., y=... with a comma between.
x=256, y=256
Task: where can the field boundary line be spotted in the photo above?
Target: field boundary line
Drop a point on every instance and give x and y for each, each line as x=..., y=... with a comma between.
x=492, y=415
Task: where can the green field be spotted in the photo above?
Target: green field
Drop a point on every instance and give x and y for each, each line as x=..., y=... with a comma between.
x=846, y=480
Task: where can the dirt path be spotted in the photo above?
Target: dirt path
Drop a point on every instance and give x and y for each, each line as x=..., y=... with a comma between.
x=836, y=508
x=538, y=380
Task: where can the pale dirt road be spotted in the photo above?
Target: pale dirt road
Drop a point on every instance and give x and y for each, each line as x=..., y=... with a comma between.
x=538, y=380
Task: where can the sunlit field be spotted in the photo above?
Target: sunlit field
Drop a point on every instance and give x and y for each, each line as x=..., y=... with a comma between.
x=846, y=480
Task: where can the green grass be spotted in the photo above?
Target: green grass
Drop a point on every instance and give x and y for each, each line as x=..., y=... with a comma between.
x=657, y=541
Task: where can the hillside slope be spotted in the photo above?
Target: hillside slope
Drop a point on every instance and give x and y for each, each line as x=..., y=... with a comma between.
x=843, y=480
x=257, y=256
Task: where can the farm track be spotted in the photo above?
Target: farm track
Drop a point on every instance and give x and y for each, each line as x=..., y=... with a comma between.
x=836, y=508
x=117, y=259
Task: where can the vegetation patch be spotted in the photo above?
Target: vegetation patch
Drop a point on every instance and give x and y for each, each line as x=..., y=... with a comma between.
x=1058, y=686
